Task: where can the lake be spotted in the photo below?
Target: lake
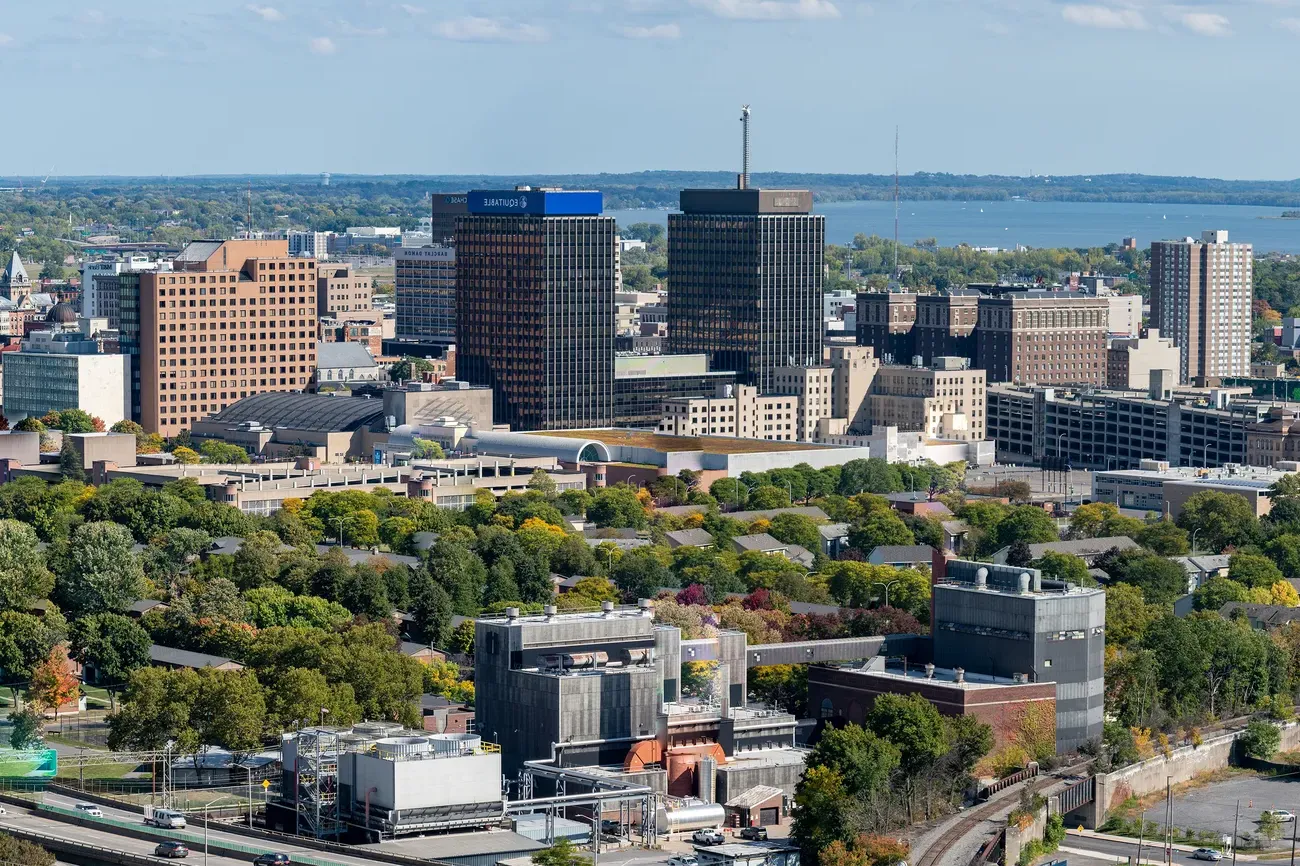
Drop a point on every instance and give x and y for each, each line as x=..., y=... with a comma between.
x=1005, y=224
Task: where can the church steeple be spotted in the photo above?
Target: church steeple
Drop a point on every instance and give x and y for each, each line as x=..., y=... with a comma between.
x=14, y=282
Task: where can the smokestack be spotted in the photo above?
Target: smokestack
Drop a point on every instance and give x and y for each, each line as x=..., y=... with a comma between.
x=744, y=161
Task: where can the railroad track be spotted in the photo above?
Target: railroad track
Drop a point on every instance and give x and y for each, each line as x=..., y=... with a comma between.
x=934, y=855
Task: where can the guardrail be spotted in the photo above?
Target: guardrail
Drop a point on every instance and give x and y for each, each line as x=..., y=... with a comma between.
x=1007, y=781
x=63, y=845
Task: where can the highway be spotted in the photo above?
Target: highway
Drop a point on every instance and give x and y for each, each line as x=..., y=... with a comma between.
x=193, y=836
x=1109, y=851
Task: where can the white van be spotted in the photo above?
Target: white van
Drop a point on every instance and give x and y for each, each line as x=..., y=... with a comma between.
x=167, y=819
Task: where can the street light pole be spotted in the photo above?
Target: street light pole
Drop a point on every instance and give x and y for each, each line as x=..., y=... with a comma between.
x=886, y=586
x=340, y=521
x=1194, y=531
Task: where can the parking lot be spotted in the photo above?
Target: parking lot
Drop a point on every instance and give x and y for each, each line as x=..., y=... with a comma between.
x=1212, y=807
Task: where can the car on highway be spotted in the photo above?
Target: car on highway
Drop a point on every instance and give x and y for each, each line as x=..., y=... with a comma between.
x=2, y=811
x=683, y=860
x=754, y=834
x=89, y=809
x=167, y=819
x=1280, y=814
x=171, y=850
x=276, y=860
x=1210, y=854
x=708, y=837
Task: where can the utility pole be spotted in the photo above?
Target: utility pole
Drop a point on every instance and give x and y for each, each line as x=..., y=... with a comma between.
x=1293, y=832
x=1169, y=821
x=1142, y=826
x=1235, y=818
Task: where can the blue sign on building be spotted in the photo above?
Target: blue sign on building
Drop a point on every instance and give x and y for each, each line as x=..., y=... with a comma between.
x=532, y=202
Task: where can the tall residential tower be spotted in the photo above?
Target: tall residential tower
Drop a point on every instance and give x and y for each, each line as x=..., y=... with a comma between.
x=1201, y=296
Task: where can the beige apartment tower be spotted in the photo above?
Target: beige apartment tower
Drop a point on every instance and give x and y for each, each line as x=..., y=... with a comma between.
x=1201, y=296
x=234, y=318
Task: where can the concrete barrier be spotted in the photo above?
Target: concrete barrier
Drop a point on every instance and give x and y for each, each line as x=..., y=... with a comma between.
x=62, y=845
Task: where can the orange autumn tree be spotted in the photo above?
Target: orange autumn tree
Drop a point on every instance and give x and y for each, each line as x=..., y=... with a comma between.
x=52, y=684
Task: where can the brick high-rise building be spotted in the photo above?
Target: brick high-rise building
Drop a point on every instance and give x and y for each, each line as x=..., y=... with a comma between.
x=1043, y=338
x=234, y=318
x=535, y=277
x=1201, y=296
x=945, y=325
x=339, y=290
x=885, y=322
x=745, y=270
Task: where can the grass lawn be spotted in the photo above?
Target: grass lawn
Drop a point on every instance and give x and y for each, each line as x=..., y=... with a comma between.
x=97, y=771
x=63, y=740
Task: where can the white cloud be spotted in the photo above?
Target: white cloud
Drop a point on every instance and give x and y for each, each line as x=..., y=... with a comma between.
x=322, y=45
x=472, y=29
x=266, y=13
x=349, y=29
x=1105, y=17
x=411, y=10
x=1206, y=23
x=659, y=31
x=1292, y=24
x=771, y=10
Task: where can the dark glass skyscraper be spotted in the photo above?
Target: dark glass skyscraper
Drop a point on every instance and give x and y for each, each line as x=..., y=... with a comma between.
x=745, y=280
x=535, y=275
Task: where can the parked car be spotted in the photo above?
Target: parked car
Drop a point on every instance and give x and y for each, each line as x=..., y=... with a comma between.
x=167, y=819
x=171, y=850
x=1207, y=854
x=272, y=860
x=683, y=860
x=2, y=811
x=754, y=834
x=708, y=837
x=89, y=809
x=610, y=825
x=1280, y=814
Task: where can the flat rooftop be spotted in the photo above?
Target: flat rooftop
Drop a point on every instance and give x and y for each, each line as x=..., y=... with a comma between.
x=664, y=443
x=941, y=676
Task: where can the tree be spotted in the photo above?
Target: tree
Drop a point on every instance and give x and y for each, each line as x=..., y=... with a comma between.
x=542, y=482
x=297, y=695
x=879, y=525
x=562, y=853
x=1127, y=614
x=640, y=572
x=25, y=642
x=97, y=570
x=30, y=424
x=169, y=556
x=213, y=451
x=25, y=731
x=257, y=561
x=23, y=575
x=617, y=506
x=796, y=529
x=185, y=455
x=432, y=608
x=1062, y=566
x=823, y=817
x=70, y=466
x=767, y=496
x=916, y=729
x=1219, y=520
x=21, y=851
x=426, y=449
x=1161, y=580
x=1087, y=520
x=1026, y=523
x=1218, y=591
x=78, y=421
x=1164, y=537
x=409, y=368
x=1261, y=739
x=864, y=759
x=1019, y=554
x=1253, y=571
x=730, y=492
x=52, y=684
x=462, y=638
x=115, y=645
x=783, y=687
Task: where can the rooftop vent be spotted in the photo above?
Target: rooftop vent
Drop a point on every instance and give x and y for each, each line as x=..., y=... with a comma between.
x=512, y=613
x=929, y=671
x=959, y=675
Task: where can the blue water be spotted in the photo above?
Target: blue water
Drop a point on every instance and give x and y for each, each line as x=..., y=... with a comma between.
x=1041, y=224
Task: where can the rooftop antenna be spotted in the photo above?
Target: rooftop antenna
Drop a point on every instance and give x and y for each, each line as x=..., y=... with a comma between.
x=744, y=162
x=895, y=202
x=250, y=209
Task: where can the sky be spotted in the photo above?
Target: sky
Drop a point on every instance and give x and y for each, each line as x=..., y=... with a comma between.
x=173, y=87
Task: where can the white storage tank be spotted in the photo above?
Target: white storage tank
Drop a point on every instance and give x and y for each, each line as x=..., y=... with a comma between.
x=447, y=745
x=402, y=747
x=683, y=816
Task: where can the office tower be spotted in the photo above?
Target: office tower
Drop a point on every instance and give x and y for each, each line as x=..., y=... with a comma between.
x=885, y=322
x=102, y=285
x=425, y=288
x=312, y=245
x=1201, y=296
x=855, y=369
x=535, y=306
x=745, y=278
x=233, y=319
x=1043, y=338
x=445, y=207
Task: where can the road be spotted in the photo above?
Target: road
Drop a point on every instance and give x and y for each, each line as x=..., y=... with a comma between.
x=1111, y=852
x=65, y=830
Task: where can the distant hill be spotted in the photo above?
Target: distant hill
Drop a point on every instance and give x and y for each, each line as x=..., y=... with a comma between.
x=660, y=188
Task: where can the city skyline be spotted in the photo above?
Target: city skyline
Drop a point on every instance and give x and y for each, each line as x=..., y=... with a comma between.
x=848, y=71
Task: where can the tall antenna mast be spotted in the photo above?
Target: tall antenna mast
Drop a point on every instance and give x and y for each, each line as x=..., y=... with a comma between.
x=744, y=162
x=250, y=210
x=895, y=202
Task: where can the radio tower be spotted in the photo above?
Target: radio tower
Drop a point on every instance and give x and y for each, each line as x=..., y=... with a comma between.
x=744, y=162
x=895, y=202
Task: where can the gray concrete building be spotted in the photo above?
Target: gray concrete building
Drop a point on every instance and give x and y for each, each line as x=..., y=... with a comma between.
x=1008, y=621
